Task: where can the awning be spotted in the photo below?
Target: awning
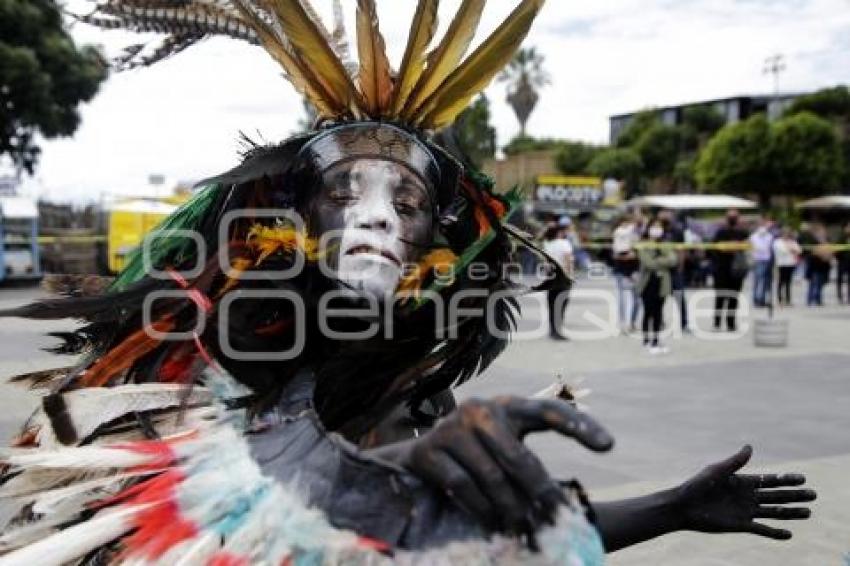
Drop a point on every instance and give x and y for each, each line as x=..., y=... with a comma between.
x=691, y=202
x=833, y=201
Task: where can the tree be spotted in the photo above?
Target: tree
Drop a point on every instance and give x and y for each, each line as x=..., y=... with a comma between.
x=659, y=147
x=521, y=144
x=806, y=155
x=699, y=124
x=473, y=132
x=737, y=159
x=44, y=77
x=834, y=105
x=623, y=164
x=639, y=123
x=573, y=157
x=525, y=77
x=828, y=103
x=797, y=155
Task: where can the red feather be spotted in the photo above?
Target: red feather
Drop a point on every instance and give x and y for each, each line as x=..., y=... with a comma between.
x=122, y=356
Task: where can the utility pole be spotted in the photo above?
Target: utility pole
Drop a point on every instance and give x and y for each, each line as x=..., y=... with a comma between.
x=774, y=65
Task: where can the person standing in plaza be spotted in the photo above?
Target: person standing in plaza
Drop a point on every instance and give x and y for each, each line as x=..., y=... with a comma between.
x=625, y=266
x=786, y=254
x=674, y=233
x=761, y=243
x=818, y=265
x=843, y=258
x=558, y=247
x=655, y=284
x=730, y=270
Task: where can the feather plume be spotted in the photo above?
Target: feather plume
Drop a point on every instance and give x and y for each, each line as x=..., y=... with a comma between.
x=319, y=56
x=72, y=285
x=445, y=58
x=125, y=354
x=92, y=407
x=478, y=69
x=422, y=30
x=297, y=72
x=78, y=457
x=73, y=542
x=374, y=77
x=43, y=379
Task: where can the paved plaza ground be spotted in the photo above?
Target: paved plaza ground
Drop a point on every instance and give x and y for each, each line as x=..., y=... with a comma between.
x=670, y=414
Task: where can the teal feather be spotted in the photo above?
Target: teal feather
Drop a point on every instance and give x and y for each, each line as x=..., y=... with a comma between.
x=168, y=249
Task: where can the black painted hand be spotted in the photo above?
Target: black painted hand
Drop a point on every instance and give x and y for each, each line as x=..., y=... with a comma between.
x=719, y=500
x=477, y=457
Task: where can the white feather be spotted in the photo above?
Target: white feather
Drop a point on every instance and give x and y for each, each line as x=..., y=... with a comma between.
x=80, y=457
x=92, y=407
x=75, y=541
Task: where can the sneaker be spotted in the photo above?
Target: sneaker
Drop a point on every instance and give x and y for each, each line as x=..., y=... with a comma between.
x=659, y=350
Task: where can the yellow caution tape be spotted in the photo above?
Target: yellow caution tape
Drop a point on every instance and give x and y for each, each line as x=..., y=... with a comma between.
x=719, y=246
x=71, y=239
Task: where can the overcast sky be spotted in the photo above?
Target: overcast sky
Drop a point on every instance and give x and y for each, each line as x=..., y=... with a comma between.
x=182, y=117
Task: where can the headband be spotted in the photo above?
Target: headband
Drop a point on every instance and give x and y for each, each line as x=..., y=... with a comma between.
x=372, y=140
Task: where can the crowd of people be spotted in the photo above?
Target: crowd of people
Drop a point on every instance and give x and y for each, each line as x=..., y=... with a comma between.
x=657, y=257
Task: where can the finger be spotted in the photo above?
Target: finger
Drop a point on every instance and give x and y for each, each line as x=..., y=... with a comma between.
x=509, y=507
x=530, y=415
x=783, y=513
x=769, y=532
x=440, y=469
x=773, y=480
x=522, y=467
x=735, y=462
x=786, y=496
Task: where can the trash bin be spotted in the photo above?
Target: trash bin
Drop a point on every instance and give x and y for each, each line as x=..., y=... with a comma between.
x=771, y=333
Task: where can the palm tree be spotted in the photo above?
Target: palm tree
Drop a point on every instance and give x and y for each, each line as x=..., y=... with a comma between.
x=525, y=77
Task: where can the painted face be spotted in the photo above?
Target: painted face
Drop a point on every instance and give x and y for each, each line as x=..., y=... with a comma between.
x=374, y=216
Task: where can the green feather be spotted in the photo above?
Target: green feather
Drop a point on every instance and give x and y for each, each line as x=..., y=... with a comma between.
x=167, y=248
x=513, y=199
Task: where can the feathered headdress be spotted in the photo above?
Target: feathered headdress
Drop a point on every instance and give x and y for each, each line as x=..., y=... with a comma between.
x=428, y=91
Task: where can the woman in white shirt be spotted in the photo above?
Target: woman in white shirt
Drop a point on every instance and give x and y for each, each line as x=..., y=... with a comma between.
x=556, y=244
x=786, y=254
x=625, y=263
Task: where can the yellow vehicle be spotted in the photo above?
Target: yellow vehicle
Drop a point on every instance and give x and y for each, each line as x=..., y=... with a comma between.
x=128, y=222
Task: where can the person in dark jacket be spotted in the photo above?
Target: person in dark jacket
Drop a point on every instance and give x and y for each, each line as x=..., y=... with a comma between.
x=843, y=257
x=818, y=257
x=730, y=269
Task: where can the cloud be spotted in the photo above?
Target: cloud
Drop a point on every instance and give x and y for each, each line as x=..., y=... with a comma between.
x=182, y=117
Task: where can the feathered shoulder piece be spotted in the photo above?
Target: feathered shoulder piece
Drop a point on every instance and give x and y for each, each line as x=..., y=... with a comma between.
x=183, y=499
x=429, y=89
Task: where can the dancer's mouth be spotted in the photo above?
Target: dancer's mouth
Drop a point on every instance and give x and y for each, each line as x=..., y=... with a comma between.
x=365, y=249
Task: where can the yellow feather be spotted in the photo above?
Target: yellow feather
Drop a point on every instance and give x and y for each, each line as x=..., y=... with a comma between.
x=439, y=261
x=306, y=38
x=476, y=72
x=296, y=71
x=447, y=55
x=422, y=31
x=375, y=80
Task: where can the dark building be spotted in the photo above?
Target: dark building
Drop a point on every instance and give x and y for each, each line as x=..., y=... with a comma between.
x=733, y=109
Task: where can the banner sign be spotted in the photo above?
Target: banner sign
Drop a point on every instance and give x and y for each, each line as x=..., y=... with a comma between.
x=569, y=191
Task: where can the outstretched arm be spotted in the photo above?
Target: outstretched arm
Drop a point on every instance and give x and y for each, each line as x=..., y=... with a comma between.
x=717, y=500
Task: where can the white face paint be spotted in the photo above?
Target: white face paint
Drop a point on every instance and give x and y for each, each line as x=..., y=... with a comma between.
x=381, y=216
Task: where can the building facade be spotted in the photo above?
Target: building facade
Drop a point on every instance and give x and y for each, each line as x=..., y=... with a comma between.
x=733, y=109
